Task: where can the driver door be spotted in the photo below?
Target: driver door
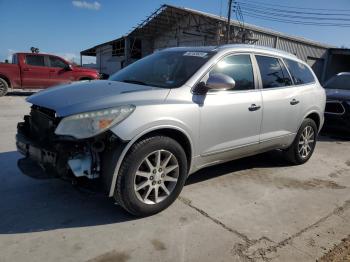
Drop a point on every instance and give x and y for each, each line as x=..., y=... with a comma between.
x=230, y=120
x=58, y=71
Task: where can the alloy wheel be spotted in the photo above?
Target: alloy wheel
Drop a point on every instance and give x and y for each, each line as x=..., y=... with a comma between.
x=156, y=177
x=2, y=87
x=306, y=142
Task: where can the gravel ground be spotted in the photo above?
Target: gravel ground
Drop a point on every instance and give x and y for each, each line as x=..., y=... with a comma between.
x=254, y=209
x=340, y=253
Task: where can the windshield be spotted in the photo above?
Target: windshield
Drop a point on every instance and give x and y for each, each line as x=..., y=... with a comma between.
x=339, y=82
x=166, y=69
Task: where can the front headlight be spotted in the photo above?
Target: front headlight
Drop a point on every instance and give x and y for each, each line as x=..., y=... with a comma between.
x=85, y=125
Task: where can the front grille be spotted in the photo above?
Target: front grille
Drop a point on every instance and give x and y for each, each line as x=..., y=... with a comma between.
x=46, y=111
x=334, y=107
x=41, y=123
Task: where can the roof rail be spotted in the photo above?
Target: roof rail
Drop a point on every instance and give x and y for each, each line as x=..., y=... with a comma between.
x=255, y=47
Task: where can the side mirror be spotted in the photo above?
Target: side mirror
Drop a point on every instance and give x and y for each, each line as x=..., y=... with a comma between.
x=69, y=67
x=216, y=82
x=220, y=82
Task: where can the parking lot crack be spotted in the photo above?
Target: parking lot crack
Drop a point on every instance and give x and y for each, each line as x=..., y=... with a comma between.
x=263, y=251
x=262, y=248
x=188, y=202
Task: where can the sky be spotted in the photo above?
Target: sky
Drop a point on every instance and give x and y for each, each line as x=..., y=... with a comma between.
x=66, y=27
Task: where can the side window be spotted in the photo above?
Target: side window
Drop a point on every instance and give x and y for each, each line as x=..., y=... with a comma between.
x=14, y=59
x=35, y=60
x=273, y=73
x=301, y=73
x=240, y=68
x=56, y=62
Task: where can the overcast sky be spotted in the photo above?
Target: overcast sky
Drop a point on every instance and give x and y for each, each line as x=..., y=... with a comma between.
x=66, y=27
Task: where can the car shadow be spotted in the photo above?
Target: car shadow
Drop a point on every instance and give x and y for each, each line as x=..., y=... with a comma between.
x=20, y=93
x=265, y=160
x=30, y=205
x=334, y=135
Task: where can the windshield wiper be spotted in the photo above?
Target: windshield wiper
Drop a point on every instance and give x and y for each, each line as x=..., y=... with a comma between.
x=134, y=82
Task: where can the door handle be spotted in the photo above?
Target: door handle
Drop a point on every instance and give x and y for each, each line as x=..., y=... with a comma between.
x=254, y=107
x=294, y=102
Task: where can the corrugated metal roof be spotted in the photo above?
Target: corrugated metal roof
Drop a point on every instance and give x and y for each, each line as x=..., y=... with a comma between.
x=166, y=15
x=254, y=27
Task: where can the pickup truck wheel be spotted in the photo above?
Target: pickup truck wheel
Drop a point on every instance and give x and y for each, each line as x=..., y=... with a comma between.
x=151, y=176
x=304, y=143
x=3, y=87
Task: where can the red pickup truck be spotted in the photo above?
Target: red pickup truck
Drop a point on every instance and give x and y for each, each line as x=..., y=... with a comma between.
x=33, y=71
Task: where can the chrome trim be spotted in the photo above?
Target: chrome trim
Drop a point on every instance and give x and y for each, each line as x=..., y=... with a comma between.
x=334, y=102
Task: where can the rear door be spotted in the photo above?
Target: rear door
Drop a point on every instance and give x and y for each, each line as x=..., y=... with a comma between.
x=35, y=72
x=281, y=107
x=59, y=72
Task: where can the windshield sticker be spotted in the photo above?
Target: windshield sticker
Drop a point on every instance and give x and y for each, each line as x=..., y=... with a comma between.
x=197, y=54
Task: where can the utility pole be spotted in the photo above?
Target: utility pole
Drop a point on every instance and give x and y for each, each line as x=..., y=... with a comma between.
x=228, y=28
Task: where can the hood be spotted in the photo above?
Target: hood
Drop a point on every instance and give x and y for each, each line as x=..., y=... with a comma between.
x=338, y=94
x=95, y=95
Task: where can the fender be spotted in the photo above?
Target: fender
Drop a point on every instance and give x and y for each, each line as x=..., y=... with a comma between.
x=132, y=141
x=5, y=77
x=314, y=111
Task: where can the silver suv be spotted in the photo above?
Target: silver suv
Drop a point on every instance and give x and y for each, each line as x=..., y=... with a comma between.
x=143, y=131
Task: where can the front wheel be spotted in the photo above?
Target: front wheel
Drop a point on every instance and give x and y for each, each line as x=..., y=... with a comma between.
x=151, y=176
x=304, y=143
x=3, y=87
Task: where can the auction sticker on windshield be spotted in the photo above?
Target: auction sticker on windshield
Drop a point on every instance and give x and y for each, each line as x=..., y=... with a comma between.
x=198, y=54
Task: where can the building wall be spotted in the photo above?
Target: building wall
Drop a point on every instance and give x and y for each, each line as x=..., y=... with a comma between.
x=105, y=62
x=313, y=55
x=337, y=63
x=186, y=32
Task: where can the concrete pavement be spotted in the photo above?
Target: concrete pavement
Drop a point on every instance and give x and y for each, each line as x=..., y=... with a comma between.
x=255, y=209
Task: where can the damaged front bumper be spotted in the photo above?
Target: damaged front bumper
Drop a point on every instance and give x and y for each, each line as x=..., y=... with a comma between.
x=38, y=162
x=48, y=155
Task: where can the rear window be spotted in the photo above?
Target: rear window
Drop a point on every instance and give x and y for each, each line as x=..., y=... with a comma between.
x=301, y=74
x=35, y=60
x=273, y=74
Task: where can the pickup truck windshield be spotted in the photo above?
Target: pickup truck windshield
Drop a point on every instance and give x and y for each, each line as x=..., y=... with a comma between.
x=165, y=69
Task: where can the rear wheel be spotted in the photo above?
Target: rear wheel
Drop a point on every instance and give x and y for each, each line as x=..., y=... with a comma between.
x=152, y=176
x=304, y=143
x=3, y=87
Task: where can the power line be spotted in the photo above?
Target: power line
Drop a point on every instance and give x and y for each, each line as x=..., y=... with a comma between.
x=249, y=5
x=264, y=17
x=295, y=7
x=273, y=13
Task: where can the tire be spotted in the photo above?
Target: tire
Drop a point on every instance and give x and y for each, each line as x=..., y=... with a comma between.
x=301, y=151
x=141, y=176
x=3, y=87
